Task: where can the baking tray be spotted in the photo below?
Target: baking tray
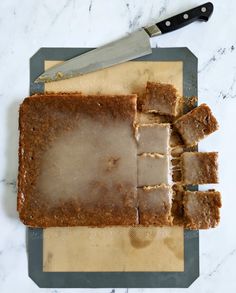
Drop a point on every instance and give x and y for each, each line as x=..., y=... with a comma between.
x=115, y=279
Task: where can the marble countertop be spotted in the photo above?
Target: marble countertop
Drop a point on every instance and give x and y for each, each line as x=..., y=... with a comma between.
x=25, y=26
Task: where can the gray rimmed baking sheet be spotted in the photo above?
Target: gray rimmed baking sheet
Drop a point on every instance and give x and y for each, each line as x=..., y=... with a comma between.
x=62, y=276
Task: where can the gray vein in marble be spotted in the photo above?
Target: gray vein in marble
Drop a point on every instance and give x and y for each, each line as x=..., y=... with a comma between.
x=113, y=291
x=163, y=8
x=134, y=23
x=60, y=12
x=9, y=183
x=207, y=64
x=230, y=94
x=221, y=263
x=90, y=6
x=221, y=51
x=217, y=56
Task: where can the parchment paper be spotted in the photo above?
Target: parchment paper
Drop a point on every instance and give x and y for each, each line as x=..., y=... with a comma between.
x=113, y=249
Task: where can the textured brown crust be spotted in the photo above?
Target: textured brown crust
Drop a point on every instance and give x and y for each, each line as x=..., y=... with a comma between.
x=101, y=107
x=161, y=98
x=199, y=167
x=42, y=119
x=155, y=206
x=202, y=209
x=196, y=124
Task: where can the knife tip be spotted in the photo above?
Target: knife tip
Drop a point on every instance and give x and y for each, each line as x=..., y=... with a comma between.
x=43, y=79
x=37, y=80
x=49, y=78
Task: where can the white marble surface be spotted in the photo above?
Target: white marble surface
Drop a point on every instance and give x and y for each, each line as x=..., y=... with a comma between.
x=26, y=25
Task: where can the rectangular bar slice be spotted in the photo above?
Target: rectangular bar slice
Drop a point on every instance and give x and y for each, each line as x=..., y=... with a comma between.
x=155, y=205
x=202, y=209
x=77, y=161
x=153, y=169
x=196, y=124
x=161, y=98
x=199, y=168
x=153, y=138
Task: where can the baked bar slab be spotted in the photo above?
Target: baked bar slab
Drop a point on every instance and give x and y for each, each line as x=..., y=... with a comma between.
x=77, y=161
x=202, y=209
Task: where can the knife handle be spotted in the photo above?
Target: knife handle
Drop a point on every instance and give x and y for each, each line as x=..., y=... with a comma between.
x=202, y=12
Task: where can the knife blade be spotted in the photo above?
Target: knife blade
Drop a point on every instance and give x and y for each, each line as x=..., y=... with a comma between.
x=135, y=45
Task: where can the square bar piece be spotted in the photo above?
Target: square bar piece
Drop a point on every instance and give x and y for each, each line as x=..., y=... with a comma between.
x=153, y=138
x=196, y=124
x=199, y=168
x=77, y=161
x=161, y=98
x=155, y=205
x=153, y=169
x=202, y=209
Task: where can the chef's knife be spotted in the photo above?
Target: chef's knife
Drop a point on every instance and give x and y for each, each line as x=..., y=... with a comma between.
x=135, y=45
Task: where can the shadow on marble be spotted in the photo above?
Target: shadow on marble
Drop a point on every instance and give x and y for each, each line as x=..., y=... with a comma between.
x=11, y=168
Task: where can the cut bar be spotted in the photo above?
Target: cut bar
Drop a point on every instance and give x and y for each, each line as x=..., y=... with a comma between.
x=161, y=98
x=155, y=205
x=153, y=169
x=196, y=125
x=202, y=209
x=199, y=168
x=153, y=138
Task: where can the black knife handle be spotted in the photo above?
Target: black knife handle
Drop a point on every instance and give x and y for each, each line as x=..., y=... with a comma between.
x=202, y=12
